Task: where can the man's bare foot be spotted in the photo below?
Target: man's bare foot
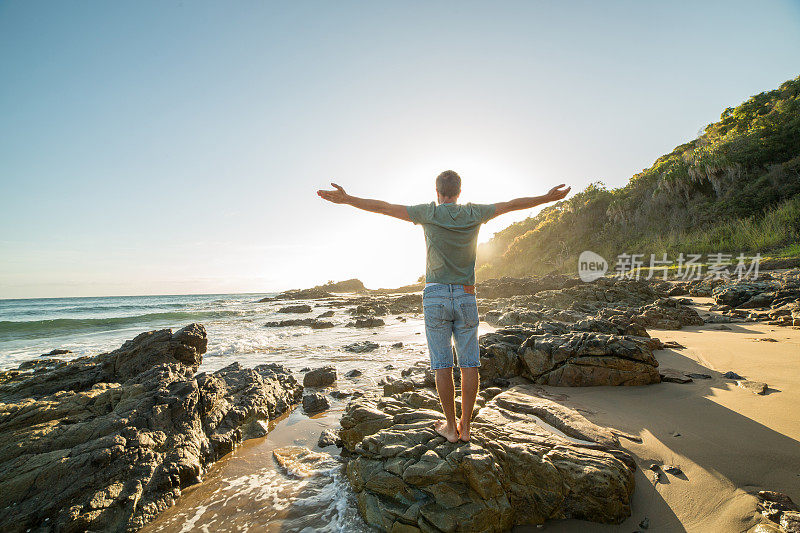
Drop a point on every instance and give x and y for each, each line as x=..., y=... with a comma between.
x=451, y=434
x=463, y=431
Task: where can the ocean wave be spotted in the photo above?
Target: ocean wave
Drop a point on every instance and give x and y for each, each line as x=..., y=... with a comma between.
x=30, y=329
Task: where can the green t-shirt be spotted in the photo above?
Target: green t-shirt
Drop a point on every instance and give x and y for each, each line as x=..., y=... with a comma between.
x=451, y=239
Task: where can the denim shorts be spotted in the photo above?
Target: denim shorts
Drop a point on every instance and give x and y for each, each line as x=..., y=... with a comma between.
x=451, y=314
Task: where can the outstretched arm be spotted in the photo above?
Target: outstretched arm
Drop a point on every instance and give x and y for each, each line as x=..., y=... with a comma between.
x=554, y=194
x=338, y=196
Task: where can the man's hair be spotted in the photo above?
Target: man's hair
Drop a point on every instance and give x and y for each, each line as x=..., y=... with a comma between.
x=448, y=184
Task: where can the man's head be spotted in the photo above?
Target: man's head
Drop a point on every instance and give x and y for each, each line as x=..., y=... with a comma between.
x=448, y=186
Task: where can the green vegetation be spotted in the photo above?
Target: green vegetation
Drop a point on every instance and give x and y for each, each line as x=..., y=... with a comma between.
x=736, y=188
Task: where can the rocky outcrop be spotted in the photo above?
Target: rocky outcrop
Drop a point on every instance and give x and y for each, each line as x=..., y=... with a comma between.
x=571, y=359
x=320, y=377
x=313, y=323
x=106, y=443
x=301, y=308
x=506, y=287
x=515, y=470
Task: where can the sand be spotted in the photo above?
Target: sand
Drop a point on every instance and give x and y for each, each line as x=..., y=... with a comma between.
x=729, y=442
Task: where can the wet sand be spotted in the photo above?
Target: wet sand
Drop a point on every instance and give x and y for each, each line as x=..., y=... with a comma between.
x=728, y=441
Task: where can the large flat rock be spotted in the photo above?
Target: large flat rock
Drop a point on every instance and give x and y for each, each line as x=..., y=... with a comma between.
x=530, y=459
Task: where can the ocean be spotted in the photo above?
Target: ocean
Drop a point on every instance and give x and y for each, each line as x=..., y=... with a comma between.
x=30, y=328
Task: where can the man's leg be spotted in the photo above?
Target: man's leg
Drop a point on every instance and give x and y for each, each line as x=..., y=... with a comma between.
x=465, y=332
x=437, y=307
x=469, y=391
x=447, y=392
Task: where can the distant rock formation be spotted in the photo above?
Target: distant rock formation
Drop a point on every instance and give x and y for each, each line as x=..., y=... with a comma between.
x=106, y=443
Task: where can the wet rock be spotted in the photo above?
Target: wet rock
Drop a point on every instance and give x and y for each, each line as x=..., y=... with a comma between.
x=57, y=351
x=397, y=345
x=326, y=314
x=329, y=437
x=340, y=394
x=513, y=471
x=315, y=402
x=313, y=323
x=302, y=308
x=353, y=373
x=320, y=377
x=375, y=309
x=361, y=347
x=574, y=359
x=368, y=322
x=756, y=387
x=106, y=443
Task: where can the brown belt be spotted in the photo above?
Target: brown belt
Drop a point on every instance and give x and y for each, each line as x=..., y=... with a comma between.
x=469, y=289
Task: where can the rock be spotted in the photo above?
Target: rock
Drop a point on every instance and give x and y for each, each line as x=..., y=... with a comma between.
x=756, y=387
x=696, y=375
x=731, y=375
x=57, y=351
x=674, y=345
x=369, y=322
x=790, y=521
x=299, y=461
x=300, y=294
x=320, y=377
x=376, y=309
x=344, y=393
x=329, y=437
x=108, y=442
x=313, y=323
x=574, y=359
x=349, y=285
x=302, y=308
x=737, y=293
x=315, y=402
x=361, y=347
x=326, y=314
x=773, y=504
x=397, y=345
x=645, y=523
x=353, y=373
x=674, y=470
x=671, y=375
x=512, y=472
x=506, y=287
x=398, y=386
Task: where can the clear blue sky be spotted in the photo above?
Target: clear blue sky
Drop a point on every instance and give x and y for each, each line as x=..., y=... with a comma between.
x=174, y=147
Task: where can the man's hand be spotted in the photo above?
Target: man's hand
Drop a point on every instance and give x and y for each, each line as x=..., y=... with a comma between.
x=553, y=195
x=338, y=196
x=556, y=193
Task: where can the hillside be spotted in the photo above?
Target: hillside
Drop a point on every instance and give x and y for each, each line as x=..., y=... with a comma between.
x=735, y=188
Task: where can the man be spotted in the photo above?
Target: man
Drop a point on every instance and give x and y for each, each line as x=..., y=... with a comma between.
x=448, y=300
